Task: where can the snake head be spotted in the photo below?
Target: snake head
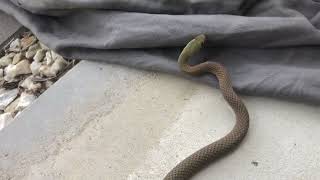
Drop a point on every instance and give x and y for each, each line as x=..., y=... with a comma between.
x=195, y=45
x=200, y=39
x=191, y=48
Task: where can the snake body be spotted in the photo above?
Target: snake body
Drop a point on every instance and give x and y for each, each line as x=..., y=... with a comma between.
x=203, y=157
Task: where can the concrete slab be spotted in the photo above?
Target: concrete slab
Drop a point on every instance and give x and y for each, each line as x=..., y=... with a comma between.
x=105, y=121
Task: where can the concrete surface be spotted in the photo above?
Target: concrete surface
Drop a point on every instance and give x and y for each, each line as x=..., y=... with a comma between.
x=104, y=121
x=8, y=26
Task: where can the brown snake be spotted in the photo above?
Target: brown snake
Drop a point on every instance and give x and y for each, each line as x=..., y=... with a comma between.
x=198, y=160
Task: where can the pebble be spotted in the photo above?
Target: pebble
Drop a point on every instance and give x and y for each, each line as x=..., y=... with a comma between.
x=15, y=46
x=40, y=54
x=5, y=119
x=25, y=100
x=12, y=106
x=35, y=67
x=17, y=58
x=9, y=70
x=5, y=61
x=49, y=58
x=29, y=85
x=52, y=71
x=1, y=73
x=12, y=71
x=23, y=67
x=45, y=71
x=26, y=42
x=32, y=51
x=6, y=97
x=58, y=65
x=11, y=55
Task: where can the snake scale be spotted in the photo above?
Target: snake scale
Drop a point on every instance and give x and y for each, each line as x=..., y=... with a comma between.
x=203, y=157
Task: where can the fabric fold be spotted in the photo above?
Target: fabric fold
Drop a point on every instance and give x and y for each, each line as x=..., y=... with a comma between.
x=271, y=47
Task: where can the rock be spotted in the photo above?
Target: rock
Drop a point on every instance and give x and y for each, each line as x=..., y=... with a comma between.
x=25, y=100
x=51, y=57
x=29, y=85
x=5, y=61
x=58, y=65
x=9, y=71
x=6, y=97
x=1, y=73
x=11, y=55
x=52, y=71
x=5, y=119
x=17, y=58
x=15, y=46
x=49, y=61
x=35, y=68
x=12, y=71
x=45, y=71
x=32, y=51
x=26, y=42
x=23, y=67
x=39, y=55
x=2, y=81
x=12, y=106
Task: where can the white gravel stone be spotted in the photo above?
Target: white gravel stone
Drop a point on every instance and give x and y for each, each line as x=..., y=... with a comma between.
x=58, y=65
x=5, y=61
x=11, y=55
x=5, y=119
x=35, y=67
x=26, y=42
x=45, y=71
x=32, y=51
x=1, y=73
x=29, y=85
x=12, y=106
x=49, y=58
x=52, y=71
x=6, y=97
x=17, y=58
x=40, y=54
x=15, y=46
x=25, y=100
x=12, y=71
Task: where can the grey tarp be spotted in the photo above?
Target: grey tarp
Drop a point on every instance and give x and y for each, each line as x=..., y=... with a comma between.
x=270, y=47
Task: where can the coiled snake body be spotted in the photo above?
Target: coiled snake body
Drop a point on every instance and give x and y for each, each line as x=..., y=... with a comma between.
x=198, y=160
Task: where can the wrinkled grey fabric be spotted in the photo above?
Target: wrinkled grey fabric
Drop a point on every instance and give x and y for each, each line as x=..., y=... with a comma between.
x=270, y=47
